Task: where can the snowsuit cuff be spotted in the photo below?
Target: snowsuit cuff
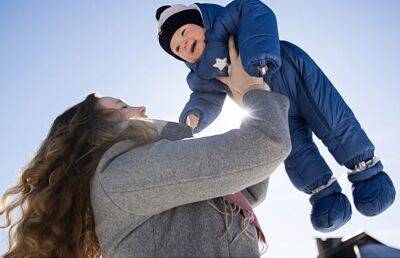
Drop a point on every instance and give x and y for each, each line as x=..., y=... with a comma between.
x=351, y=164
x=331, y=189
x=365, y=171
x=322, y=187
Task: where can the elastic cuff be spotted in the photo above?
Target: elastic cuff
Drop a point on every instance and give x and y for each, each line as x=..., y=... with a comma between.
x=270, y=61
x=322, y=187
x=326, y=176
x=355, y=177
x=333, y=188
x=351, y=164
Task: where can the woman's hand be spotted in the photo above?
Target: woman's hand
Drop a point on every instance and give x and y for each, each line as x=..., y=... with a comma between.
x=238, y=81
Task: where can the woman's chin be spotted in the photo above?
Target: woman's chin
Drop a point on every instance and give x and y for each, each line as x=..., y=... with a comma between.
x=138, y=117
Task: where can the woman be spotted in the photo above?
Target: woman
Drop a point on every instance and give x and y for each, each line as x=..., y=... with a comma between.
x=105, y=178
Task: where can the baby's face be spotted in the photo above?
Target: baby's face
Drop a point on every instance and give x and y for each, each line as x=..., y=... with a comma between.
x=188, y=42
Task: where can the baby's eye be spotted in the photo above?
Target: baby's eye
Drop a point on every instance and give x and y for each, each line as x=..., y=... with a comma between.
x=183, y=32
x=125, y=106
x=177, y=49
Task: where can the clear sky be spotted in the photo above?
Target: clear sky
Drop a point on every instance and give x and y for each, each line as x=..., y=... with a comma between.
x=53, y=53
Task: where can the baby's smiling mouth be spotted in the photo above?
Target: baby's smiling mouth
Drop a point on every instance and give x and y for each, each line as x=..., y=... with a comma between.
x=193, y=46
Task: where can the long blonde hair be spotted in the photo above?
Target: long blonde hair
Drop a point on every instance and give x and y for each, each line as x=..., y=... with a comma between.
x=53, y=190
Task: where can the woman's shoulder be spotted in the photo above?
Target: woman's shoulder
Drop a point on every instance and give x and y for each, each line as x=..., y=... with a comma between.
x=114, y=151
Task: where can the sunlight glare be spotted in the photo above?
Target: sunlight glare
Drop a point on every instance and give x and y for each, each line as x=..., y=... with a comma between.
x=231, y=116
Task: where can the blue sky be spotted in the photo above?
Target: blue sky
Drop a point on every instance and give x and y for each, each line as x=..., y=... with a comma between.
x=53, y=53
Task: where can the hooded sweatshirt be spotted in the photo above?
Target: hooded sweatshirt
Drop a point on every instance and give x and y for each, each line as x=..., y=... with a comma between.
x=163, y=199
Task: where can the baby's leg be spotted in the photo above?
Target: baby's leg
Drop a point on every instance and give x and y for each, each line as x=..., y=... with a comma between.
x=334, y=123
x=308, y=171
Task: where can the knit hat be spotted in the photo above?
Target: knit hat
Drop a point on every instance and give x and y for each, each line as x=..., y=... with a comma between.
x=171, y=18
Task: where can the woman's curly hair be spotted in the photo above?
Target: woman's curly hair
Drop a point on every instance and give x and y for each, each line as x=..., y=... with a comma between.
x=53, y=191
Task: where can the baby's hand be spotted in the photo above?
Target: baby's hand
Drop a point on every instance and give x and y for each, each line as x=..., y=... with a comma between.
x=192, y=120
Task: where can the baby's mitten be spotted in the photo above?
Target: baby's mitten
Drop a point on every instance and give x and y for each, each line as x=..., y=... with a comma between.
x=373, y=190
x=330, y=208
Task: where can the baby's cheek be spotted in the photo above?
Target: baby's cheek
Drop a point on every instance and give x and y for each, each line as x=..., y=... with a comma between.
x=202, y=47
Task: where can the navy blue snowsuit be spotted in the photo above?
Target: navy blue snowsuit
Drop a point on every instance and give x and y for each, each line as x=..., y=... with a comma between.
x=315, y=107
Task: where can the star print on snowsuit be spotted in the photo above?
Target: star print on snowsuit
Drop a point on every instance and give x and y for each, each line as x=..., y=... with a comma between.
x=220, y=63
x=315, y=107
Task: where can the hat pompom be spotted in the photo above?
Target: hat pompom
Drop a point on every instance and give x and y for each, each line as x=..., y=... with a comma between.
x=161, y=10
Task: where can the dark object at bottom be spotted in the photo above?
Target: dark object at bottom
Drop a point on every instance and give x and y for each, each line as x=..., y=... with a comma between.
x=359, y=246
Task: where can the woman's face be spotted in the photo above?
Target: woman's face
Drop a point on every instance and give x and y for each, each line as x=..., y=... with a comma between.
x=127, y=112
x=188, y=42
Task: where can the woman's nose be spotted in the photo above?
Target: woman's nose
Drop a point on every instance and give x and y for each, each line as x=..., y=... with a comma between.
x=141, y=110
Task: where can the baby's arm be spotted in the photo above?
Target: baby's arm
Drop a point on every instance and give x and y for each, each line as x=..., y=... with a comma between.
x=255, y=25
x=205, y=105
x=205, y=102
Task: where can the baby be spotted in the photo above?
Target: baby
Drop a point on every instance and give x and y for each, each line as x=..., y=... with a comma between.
x=198, y=36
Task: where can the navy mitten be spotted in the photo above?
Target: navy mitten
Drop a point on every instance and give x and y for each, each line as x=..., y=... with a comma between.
x=330, y=208
x=373, y=190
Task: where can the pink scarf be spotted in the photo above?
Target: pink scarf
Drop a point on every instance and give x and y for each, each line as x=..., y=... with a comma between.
x=241, y=201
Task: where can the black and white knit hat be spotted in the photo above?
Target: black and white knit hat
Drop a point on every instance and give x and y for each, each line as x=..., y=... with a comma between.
x=171, y=18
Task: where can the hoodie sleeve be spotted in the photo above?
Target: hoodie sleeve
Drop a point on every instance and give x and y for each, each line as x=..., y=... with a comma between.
x=156, y=177
x=256, y=29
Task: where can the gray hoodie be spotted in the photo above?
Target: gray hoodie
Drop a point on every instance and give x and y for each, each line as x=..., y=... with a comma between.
x=164, y=199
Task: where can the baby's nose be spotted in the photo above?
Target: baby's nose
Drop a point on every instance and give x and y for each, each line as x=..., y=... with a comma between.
x=186, y=44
